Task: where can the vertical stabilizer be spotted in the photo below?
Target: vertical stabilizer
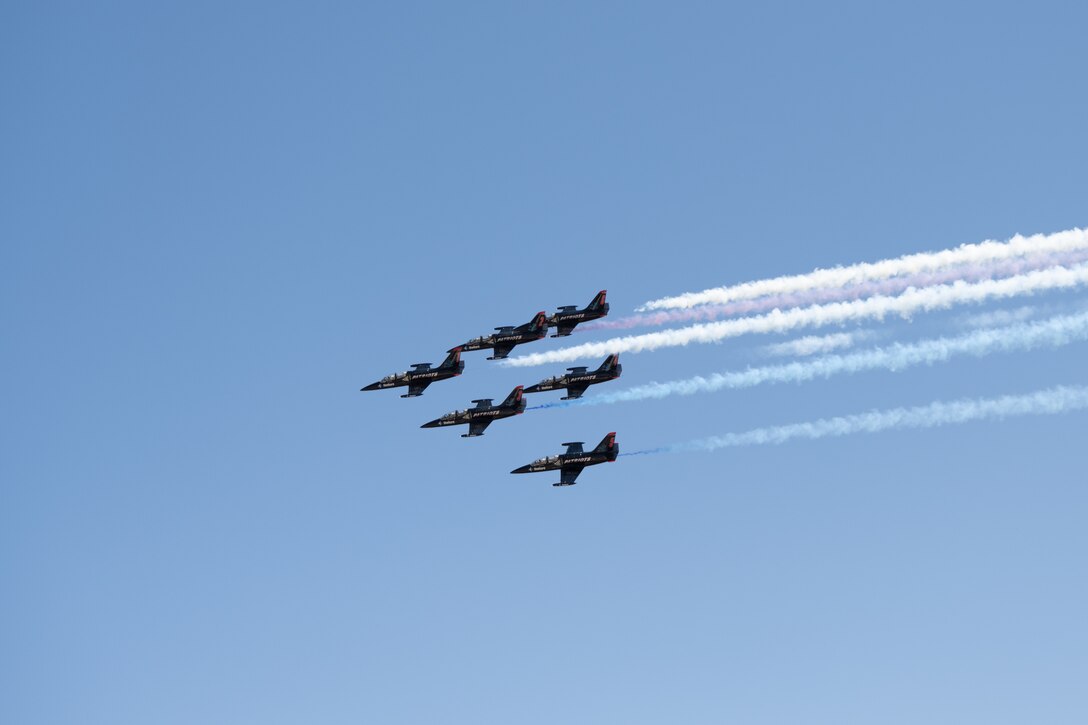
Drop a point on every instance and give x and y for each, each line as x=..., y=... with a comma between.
x=513, y=398
x=607, y=444
x=598, y=302
x=452, y=359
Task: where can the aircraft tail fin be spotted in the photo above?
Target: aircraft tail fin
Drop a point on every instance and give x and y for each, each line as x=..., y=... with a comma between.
x=514, y=397
x=598, y=301
x=452, y=359
x=539, y=322
x=607, y=444
x=610, y=363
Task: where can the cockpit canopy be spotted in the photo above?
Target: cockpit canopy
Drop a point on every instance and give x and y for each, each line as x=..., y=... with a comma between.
x=392, y=377
x=546, y=460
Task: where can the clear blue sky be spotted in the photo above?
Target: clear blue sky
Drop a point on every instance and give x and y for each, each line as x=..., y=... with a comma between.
x=219, y=221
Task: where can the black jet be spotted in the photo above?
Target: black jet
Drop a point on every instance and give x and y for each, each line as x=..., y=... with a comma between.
x=578, y=379
x=482, y=415
x=421, y=375
x=567, y=317
x=571, y=463
x=505, y=338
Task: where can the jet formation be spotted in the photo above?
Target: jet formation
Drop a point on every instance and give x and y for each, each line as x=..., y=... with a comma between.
x=502, y=342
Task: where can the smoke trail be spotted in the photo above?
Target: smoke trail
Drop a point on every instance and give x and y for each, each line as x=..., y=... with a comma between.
x=976, y=272
x=996, y=317
x=983, y=252
x=1054, y=332
x=1058, y=399
x=911, y=301
x=816, y=344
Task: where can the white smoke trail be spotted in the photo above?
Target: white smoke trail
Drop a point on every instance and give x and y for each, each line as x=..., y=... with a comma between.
x=1053, y=332
x=1058, y=399
x=976, y=272
x=816, y=344
x=913, y=300
x=983, y=252
x=996, y=317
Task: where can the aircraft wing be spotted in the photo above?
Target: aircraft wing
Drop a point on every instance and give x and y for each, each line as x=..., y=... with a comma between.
x=568, y=475
x=477, y=427
x=563, y=330
x=415, y=389
x=501, y=351
x=575, y=391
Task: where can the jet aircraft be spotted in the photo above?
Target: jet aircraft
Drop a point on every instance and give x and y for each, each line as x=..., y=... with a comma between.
x=505, y=338
x=568, y=316
x=483, y=415
x=571, y=463
x=421, y=375
x=578, y=379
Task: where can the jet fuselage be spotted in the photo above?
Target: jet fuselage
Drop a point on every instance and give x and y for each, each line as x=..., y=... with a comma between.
x=483, y=415
x=574, y=460
x=578, y=379
x=422, y=375
x=506, y=338
x=461, y=417
x=412, y=376
x=567, y=318
x=488, y=342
